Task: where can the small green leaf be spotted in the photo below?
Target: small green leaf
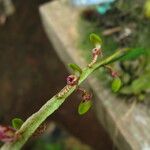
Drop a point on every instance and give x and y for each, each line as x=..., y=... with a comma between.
x=116, y=84
x=95, y=39
x=84, y=106
x=17, y=123
x=75, y=68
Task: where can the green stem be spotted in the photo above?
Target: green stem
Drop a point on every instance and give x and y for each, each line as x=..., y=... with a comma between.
x=34, y=121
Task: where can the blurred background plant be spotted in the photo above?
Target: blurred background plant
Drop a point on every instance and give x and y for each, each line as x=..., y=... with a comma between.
x=126, y=23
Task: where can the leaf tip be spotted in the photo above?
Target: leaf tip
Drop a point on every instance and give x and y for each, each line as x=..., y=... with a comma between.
x=95, y=39
x=17, y=123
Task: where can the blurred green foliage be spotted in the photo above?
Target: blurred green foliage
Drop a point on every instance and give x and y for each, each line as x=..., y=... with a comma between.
x=48, y=146
x=126, y=14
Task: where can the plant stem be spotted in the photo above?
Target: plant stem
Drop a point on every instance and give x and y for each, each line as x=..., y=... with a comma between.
x=34, y=121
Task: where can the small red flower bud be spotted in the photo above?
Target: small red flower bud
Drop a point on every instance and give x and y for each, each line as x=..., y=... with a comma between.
x=7, y=134
x=72, y=80
x=87, y=96
x=114, y=74
x=96, y=51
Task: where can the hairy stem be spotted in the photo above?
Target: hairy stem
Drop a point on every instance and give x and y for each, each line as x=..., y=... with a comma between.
x=34, y=121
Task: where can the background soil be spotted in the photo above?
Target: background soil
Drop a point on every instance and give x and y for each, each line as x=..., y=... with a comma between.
x=31, y=72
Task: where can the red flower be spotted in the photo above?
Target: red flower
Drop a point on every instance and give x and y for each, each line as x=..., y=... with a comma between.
x=72, y=80
x=7, y=134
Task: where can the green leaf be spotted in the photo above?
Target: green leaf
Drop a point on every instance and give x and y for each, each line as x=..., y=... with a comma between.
x=129, y=54
x=95, y=39
x=116, y=84
x=75, y=68
x=84, y=106
x=17, y=123
x=133, y=54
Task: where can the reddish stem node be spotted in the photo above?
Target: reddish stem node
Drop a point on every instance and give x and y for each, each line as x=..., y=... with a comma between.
x=113, y=73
